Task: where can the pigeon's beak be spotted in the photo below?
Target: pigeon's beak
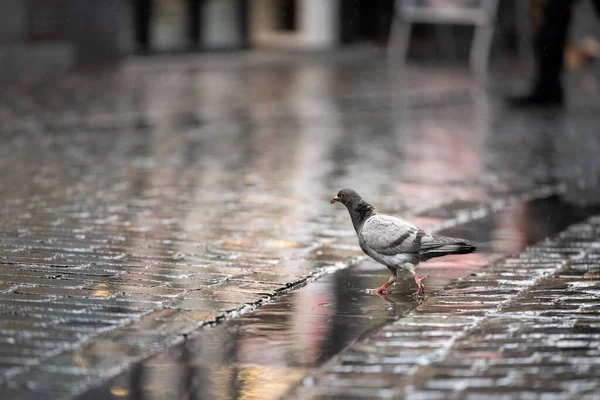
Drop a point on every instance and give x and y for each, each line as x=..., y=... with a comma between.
x=334, y=199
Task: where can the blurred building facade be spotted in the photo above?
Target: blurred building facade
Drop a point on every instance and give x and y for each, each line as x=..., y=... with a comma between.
x=43, y=37
x=39, y=38
x=189, y=25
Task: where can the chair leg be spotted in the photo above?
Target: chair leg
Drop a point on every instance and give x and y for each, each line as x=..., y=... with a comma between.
x=482, y=40
x=398, y=41
x=480, y=49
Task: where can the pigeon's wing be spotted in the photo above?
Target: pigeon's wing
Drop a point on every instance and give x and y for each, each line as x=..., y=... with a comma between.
x=389, y=235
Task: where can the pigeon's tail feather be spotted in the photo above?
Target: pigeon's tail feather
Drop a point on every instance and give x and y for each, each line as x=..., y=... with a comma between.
x=443, y=246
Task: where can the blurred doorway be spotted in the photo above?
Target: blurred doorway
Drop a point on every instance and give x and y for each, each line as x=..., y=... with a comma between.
x=166, y=26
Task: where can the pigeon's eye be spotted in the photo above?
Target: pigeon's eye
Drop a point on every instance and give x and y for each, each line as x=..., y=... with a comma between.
x=342, y=195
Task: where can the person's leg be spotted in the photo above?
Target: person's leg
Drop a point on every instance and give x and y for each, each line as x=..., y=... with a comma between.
x=549, y=45
x=143, y=19
x=551, y=41
x=597, y=7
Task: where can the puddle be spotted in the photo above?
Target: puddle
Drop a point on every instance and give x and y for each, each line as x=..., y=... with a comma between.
x=263, y=354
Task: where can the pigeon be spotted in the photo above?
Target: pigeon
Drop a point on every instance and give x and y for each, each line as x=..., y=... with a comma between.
x=394, y=242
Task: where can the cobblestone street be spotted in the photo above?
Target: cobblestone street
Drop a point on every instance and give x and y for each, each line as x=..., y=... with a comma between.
x=147, y=204
x=525, y=327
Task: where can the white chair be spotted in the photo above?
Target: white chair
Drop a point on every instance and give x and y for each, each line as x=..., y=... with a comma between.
x=482, y=15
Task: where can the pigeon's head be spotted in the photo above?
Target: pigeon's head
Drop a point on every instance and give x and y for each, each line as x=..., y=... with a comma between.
x=347, y=197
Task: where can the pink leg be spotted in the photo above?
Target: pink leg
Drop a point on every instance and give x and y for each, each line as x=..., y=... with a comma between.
x=383, y=288
x=420, y=287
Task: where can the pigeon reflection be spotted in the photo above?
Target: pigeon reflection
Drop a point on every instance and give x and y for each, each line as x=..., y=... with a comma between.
x=392, y=305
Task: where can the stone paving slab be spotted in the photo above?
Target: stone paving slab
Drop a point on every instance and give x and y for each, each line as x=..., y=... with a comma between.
x=525, y=327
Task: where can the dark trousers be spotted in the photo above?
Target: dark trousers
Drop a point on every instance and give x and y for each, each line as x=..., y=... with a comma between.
x=550, y=41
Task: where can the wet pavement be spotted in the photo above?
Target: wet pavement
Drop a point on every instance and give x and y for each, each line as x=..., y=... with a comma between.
x=266, y=353
x=141, y=203
x=525, y=327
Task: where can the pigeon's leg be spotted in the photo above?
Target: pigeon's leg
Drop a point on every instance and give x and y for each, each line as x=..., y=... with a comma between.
x=420, y=287
x=383, y=288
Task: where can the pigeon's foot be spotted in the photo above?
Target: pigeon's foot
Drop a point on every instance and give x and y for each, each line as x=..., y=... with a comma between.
x=377, y=291
x=420, y=287
x=383, y=289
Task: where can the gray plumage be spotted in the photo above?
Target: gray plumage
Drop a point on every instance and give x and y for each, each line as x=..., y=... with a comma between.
x=394, y=242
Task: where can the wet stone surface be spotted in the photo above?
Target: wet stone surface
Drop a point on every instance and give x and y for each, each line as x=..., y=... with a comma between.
x=266, y=353
x=181, y=196
x=478, y=338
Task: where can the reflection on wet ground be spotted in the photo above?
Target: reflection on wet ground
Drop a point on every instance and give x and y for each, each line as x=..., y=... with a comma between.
x=263, y=354
x=139, y=203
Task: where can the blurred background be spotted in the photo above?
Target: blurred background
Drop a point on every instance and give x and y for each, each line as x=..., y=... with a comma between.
x=42, y=37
